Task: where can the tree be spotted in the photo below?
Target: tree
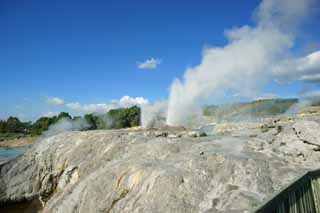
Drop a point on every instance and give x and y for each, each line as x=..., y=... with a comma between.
x=91, y=120
x=14, y=125
x=133, y=116
x=42, y=124
x=113, y=119
x=124, y=117
x=64, y=115
x=3, y=126
x=75, y=118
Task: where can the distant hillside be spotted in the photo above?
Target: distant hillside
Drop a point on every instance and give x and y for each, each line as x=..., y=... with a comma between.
x=254, y=109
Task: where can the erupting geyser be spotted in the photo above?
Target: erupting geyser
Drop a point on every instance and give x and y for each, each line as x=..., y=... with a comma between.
x=250, y=60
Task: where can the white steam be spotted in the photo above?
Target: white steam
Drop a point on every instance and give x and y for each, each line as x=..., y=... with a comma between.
x=153, y=114
x=66, y=125
x=307, y=99
x=297, y=107
x=243, y=66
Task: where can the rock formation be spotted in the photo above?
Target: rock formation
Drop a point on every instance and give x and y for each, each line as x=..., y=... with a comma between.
x=162, y=170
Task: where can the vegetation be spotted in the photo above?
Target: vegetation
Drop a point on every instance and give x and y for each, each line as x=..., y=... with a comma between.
x=13, y=128
x=255, y=109
x=91, y=120
x=114, y=119
x=124, y=117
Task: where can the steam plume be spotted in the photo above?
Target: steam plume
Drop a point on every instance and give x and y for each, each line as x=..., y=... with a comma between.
x=66, y=125
x=244, y=65
x=153, y=114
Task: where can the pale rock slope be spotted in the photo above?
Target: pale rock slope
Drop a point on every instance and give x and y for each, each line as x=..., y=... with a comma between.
x=162, y=170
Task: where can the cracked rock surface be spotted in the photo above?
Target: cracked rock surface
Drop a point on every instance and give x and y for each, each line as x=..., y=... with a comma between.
x=161, y=170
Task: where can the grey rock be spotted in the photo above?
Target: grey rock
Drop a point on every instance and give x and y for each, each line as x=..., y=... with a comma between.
x=174, y=135
x=196, y=134
x=119, y=171
x=161, y=134
x=308, y=131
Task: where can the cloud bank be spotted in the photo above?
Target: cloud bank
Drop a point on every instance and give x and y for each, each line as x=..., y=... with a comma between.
x=254, y=56
x=125, y=101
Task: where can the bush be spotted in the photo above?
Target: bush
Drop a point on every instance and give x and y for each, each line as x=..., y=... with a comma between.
x=114, y=119
x=91, y=120
x=43, y=123
x=124, y=117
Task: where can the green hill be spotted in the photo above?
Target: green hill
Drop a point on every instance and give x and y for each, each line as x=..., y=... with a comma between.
x=254, y=109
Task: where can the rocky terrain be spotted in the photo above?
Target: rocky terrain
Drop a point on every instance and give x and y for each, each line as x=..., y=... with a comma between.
x=17, y=142
x=167, y=169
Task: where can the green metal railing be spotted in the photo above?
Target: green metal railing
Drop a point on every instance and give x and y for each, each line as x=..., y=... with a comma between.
x=301, y=196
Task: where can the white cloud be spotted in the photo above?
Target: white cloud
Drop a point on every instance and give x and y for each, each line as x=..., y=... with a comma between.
x=125, y=101
x=311, y=94
x=149, y=64
x=74, y=105
x=265, y=96
x=49, y=114
x=55, y=101
x=100, y=107
x=304, y=69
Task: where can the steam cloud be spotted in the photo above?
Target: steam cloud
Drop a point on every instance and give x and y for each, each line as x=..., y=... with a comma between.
x=253, y=57
x=66, y=125
x=153, y=114
x=307, y=98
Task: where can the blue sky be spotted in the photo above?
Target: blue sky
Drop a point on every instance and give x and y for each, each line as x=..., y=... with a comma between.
x=88, y=51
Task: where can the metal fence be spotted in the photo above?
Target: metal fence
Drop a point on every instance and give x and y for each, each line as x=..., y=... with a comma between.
x=301, y=196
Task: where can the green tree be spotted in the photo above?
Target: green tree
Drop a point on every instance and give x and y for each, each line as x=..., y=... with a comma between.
x=42, y=124
x=14, y=125
x=64, y=115
x=133, y=116
x=75, y=118
x=91, y=119
x=3, y=126
x=124, y=117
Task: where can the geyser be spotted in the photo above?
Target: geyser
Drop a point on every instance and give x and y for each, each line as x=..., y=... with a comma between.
x=244, y=65
x=153, y=114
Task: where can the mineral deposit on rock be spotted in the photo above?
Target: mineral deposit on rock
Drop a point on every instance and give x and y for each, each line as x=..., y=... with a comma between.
x=161, y=170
